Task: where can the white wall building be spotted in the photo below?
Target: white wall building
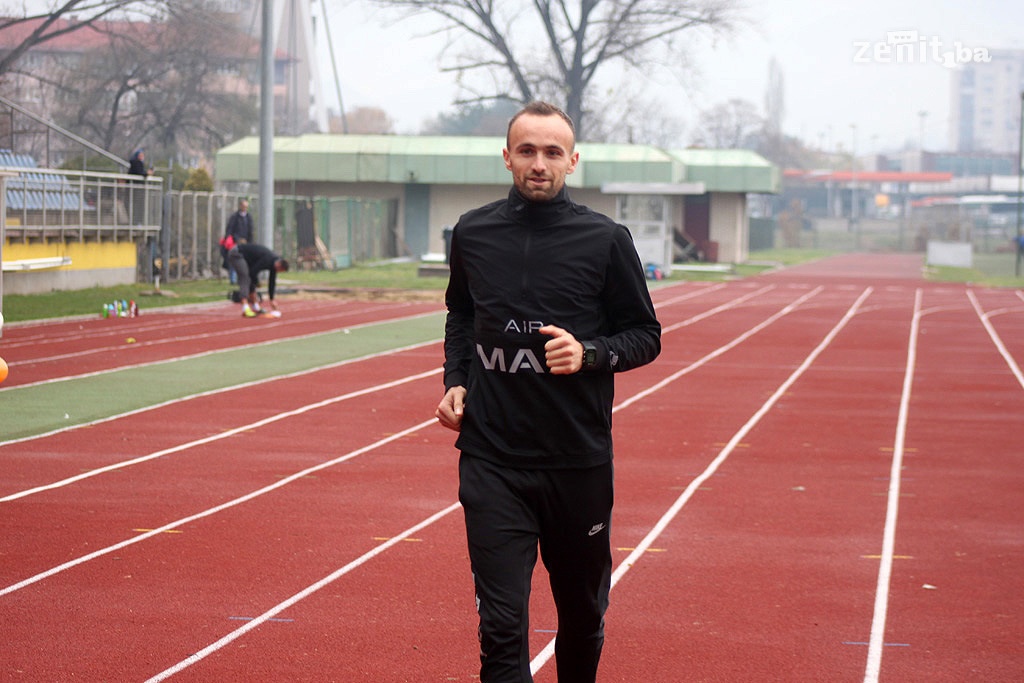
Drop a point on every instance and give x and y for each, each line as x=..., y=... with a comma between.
x=986, y=100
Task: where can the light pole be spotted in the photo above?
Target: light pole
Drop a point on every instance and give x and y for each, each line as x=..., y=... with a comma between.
x=853, y=186
x=1020, y=182
x=920, y=140
x=266, y=168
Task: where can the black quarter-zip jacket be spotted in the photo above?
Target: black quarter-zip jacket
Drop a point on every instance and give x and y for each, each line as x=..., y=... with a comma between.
x=516, y=266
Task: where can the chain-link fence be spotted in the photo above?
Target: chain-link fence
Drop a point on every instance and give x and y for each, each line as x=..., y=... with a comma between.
x=311, y=232
x=987, y=231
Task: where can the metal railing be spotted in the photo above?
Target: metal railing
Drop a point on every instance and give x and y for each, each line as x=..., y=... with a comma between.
x=177, y=233
x=76, y=205
x=29, y=133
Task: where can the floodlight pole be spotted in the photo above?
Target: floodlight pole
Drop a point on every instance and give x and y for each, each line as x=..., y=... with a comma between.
x=1020, y=183
x=266, y=179
x=854, y=217
x=3, y=227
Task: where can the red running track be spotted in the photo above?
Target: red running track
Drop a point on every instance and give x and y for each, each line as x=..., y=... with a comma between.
x=818, y=480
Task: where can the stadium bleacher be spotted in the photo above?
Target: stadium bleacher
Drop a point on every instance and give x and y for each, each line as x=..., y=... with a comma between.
x=36, y=190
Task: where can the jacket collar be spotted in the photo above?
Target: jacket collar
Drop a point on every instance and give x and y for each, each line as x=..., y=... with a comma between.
x=524, y=210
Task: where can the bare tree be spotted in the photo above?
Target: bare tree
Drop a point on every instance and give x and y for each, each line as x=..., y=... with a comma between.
x=730, y=125
x=369, y=120
x=181, y=83
x=85, y=12
x=553, y=49
x=473, y=119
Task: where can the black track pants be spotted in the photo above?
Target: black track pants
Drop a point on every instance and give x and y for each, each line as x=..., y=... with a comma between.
x=508, y=513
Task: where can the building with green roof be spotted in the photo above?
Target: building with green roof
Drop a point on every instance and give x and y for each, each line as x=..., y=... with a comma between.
x=693, y=196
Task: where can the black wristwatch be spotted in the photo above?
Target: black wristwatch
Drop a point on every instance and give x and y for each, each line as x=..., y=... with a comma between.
x=589, y=355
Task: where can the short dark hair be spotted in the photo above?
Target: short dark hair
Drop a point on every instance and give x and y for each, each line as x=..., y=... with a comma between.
x=541, y=108
x=284, y=264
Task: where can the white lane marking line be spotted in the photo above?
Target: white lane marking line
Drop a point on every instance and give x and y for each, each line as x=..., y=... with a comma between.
x=720, y=350
x=221, y=390
x=201, y=354
x=298, y=475
x=221, y=435
x=876, y=641
x=160, y=322
x=230, y=637
x=214, y=510
x=689, y=321
x=549, y=650
x=301, y=595
x=994, y=336
x=718, y=309
x=688, y=295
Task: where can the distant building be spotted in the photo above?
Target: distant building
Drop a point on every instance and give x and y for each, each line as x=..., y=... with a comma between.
x=985, y=105
x=959, y=164
x=694, y=200
x=40, y=78
x=34, y=83
x=299, y=105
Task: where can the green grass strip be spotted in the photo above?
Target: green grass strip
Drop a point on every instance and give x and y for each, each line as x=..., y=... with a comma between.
x=31, y=410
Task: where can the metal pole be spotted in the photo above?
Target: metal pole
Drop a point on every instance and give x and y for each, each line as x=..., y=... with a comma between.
x=854, y=226
x=266, y=180
x=1020, y=182
x=3, y=226
x=334, y=65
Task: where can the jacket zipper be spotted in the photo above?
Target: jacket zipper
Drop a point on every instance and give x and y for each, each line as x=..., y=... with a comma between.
x=525, y=281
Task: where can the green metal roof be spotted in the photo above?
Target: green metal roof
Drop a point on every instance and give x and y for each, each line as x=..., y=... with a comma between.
x=478, y=161
x=730, y=170
x=604, y=163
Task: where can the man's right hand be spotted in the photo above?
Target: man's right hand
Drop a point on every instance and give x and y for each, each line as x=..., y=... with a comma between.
x=449, y=410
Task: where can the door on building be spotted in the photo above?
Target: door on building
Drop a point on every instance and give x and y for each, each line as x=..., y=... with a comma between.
x=697, y=225
x=417, y=219
x=646, y=216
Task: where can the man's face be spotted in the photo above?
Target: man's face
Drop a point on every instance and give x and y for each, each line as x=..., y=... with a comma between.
x=243, y=206
x=540, y=154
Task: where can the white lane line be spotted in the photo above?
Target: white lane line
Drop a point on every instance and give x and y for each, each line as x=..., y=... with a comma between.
x=260, y=423
x=537, y=663
x=549, y=650
x=301, y=595
x=170, y=526
x=720, y=350
x=201, y=354
x=994, y=336
x=214, y=392
x=718, y=309
x=687, y=295
x=689, y=321
x=157, y=325
x=876, y=642
x=221, y=435
x=238, y=501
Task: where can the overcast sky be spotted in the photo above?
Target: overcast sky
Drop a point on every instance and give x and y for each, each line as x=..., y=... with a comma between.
x=826, y=50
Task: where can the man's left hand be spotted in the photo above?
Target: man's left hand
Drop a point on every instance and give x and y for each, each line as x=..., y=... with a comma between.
x=562, y=353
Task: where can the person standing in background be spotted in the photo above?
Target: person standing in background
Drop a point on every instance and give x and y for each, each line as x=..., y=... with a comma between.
x=137, y=167
x=240, y=230
x=137, y=164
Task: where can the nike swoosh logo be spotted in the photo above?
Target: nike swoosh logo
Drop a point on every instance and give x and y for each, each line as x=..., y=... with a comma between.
x=596, y=529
